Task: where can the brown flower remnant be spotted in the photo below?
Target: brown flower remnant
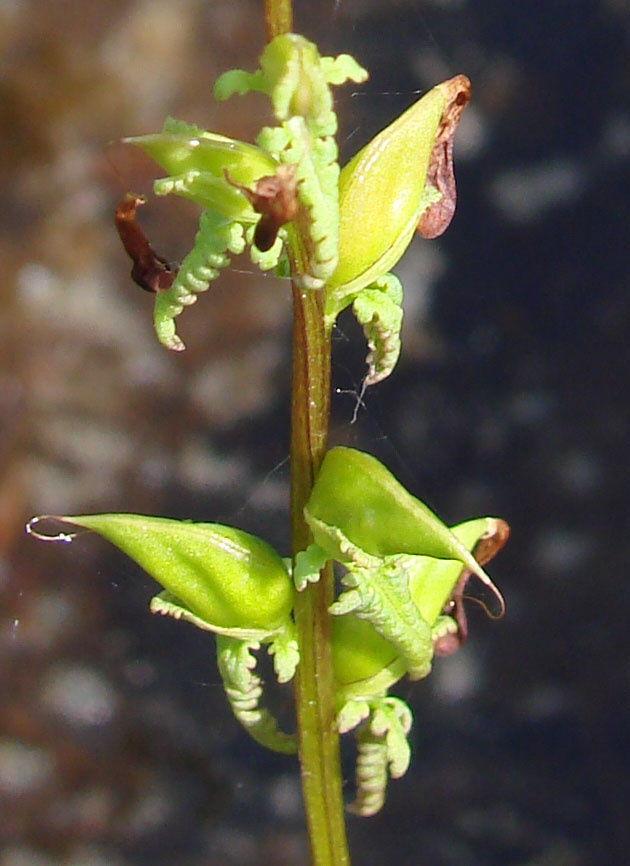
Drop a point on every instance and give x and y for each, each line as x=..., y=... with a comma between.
x=275, y=197
x=435, y=220
x=151, y=272
x=488, y=545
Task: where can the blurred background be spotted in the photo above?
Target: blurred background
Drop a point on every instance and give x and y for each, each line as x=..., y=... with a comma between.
x=511, y=398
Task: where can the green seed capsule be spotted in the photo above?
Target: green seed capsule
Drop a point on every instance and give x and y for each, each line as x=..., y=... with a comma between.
x=226, y=577
x=380, y=194
x=355, y=494
x=359, y=652
x=197, y=166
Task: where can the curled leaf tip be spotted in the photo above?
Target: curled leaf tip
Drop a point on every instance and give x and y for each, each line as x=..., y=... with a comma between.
x=487, y=545
x=343, y=68
x=40, y=535
x=490, y=543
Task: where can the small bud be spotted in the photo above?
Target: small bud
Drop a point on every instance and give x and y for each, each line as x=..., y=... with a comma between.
x=196, y=165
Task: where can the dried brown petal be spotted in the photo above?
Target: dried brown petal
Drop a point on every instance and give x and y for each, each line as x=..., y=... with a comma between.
x=275, y=197
x=488, y=545
x=435, y=220
x=151, y=272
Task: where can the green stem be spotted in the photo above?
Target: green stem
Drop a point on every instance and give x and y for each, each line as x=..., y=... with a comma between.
x=278, y=17
x=314, y=685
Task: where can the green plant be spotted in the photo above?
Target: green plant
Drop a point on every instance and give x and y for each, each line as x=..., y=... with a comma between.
x=404, y=571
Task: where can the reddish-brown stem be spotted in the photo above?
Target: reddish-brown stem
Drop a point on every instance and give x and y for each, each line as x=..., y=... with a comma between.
x=314, y=685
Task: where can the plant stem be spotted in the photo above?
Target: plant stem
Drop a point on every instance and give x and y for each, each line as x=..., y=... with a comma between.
x=314, y=685
x=278, y=17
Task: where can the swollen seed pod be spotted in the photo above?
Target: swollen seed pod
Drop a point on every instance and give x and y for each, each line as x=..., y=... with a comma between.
x=380, y=194
x=385, y=189
x=359, y=651
x=355, y=495
x=224, y=576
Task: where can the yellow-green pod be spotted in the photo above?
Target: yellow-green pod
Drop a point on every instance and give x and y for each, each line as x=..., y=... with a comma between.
x=359, y=651
x=380, y=192
x=224, y=576
x=206, y=152
x=388, y=185
x=199, y=164
x=355, y=495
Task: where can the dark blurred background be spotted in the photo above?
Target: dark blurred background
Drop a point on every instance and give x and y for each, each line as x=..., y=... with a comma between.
x=116, y=744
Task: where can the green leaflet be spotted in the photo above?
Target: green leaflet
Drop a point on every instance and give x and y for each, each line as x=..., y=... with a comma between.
x=215, y=238
x=296, y=79
x=383, y=748
x=378, y=309
x=380, y=595
x=244, y=689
